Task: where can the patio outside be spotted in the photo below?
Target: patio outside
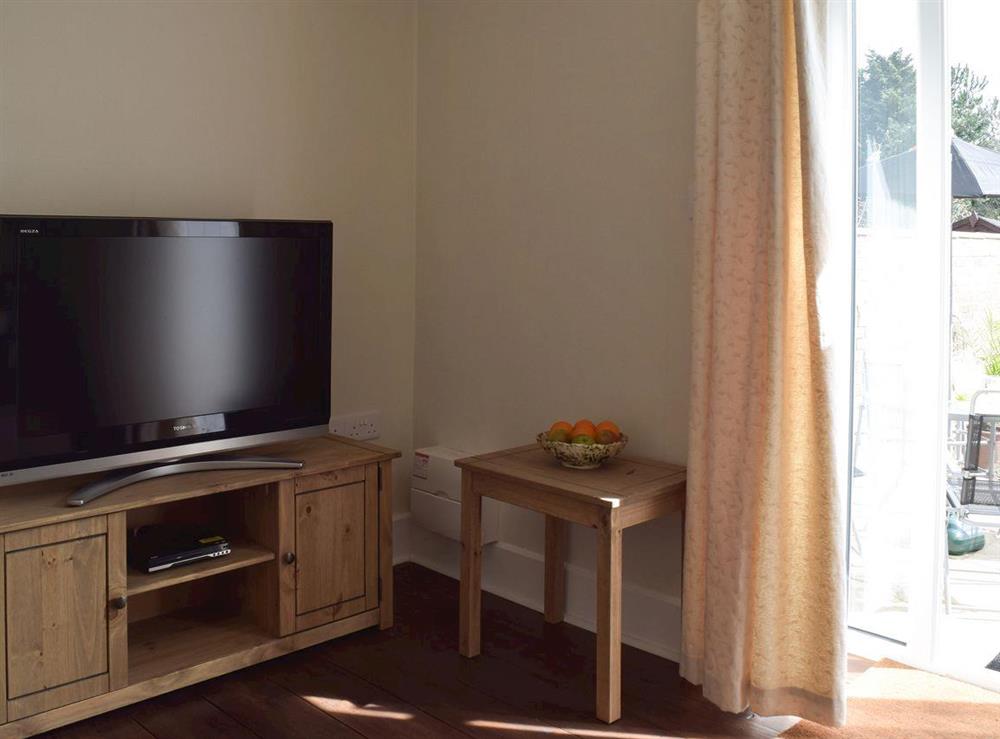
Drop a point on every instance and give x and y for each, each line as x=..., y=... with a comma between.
x=971, y=631
x=882, y=505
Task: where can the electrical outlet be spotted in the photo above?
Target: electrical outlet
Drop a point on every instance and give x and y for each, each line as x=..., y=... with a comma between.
x=360, y=426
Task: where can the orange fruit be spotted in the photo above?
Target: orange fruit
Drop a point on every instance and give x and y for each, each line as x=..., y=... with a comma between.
x=607, y=432
x=560, y=431
x=584, y=432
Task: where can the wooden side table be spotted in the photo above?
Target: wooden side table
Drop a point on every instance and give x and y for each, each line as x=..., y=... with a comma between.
x=622, y=493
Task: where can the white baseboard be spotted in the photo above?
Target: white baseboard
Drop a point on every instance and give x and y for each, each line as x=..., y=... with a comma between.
x=650, y=620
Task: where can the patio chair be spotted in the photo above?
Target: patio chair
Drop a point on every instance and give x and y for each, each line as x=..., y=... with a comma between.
x=973, y=500
x=980, y=493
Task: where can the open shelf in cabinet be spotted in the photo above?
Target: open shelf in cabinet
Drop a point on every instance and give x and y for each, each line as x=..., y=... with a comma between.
x=244, y=554
x=180, y=639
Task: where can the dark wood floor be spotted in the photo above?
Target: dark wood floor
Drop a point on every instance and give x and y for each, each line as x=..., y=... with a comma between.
x=532, y=680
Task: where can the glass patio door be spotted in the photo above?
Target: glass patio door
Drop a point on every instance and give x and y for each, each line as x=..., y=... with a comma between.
x=901, y=326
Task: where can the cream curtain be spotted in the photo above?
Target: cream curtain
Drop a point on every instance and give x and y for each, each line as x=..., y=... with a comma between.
x=764, y=570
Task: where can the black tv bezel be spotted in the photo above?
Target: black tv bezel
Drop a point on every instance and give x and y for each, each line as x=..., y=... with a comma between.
x=111, y=447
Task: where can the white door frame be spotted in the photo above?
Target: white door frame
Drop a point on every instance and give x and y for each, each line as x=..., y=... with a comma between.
x=934, y=223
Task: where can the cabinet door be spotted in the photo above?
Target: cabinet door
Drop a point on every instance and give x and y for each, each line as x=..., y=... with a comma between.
x=335, y=574
x=57, y=620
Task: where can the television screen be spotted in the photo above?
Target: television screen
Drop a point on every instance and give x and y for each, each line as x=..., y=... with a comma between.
x=122, y=335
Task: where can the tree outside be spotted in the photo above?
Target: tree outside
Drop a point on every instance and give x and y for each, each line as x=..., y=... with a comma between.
x=887, y=91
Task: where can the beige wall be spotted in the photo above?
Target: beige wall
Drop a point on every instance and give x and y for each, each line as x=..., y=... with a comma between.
x=547, y=166
x=234, y=109
x=553, y=235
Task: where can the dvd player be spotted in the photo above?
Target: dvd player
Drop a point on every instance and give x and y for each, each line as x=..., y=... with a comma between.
x=159, y=547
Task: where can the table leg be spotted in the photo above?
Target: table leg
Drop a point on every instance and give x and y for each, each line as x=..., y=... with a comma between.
x=609, y=623
x=470, y=593
x=556, y=530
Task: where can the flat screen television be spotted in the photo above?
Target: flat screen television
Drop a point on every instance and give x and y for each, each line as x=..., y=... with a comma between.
x=129, y=341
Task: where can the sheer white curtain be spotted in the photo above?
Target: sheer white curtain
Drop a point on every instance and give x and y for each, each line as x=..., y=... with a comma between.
x=764, y=570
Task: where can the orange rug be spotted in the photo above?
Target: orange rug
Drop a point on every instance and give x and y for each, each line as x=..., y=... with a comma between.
x=893, y=700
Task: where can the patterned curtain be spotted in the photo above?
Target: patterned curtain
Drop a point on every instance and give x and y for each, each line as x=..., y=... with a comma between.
x=764, y=565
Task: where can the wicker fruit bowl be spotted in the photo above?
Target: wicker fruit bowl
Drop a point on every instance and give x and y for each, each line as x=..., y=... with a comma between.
x=581, y=456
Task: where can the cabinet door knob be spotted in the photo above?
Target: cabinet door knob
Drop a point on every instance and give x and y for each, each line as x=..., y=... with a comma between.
x=119, y=603
x=289, y=558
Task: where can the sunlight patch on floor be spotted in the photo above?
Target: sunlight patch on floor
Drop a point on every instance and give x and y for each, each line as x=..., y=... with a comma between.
x=339, y=705
x=608, y=733
x=905, y=684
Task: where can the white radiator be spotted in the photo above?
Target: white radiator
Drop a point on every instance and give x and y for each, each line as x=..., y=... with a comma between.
x=436, y=495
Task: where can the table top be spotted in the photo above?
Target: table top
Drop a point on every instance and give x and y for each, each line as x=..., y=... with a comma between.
x=619, y=482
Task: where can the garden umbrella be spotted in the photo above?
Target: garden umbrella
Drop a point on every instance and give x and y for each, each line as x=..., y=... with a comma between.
x=975, y=172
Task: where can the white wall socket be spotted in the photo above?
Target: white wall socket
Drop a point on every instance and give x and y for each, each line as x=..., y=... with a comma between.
x=360, y=426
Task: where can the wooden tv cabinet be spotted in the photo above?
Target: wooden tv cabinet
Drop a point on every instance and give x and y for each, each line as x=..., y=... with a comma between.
x=81, y=633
